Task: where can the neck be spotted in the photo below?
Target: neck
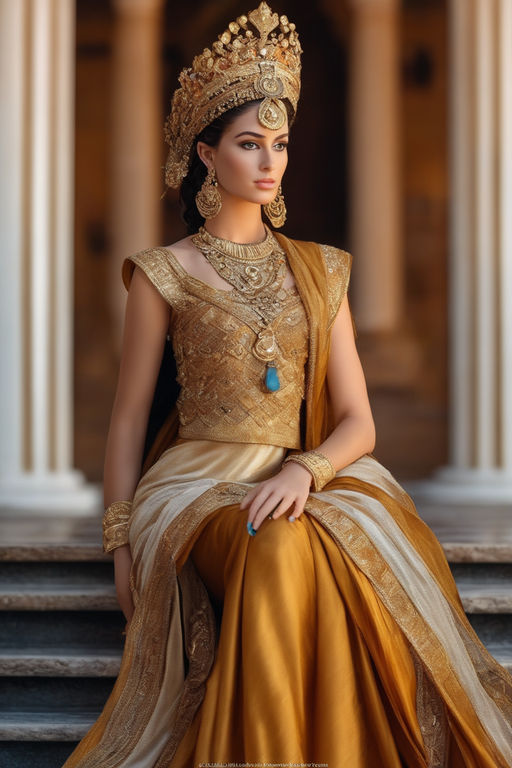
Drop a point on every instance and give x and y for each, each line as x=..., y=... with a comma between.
x=238, y=221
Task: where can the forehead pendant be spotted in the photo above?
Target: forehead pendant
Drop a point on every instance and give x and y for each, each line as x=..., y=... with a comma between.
x=272, y=112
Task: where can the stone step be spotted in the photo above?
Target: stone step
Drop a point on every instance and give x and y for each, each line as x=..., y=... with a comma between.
x=101, y=663
x=468, y=533
x=502, y=653
x=46, y=726
x=52, y=553
x=35, y=754
x=484, y=588
x=71, y=724
x=52, y=695
x=57, y=586
x=14, y=572
x=485, y=598
x=47, y=597
x=492, y=627
x=60, y=662
x=476, y=598
x=62, y=629
x=31, y=537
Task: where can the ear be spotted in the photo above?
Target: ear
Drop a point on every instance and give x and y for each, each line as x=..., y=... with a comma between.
x=206, y=154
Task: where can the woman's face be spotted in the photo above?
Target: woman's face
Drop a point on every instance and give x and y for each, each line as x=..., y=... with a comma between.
x=249, y=159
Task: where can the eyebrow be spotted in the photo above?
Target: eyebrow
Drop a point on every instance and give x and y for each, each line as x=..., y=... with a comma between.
x=257, y=135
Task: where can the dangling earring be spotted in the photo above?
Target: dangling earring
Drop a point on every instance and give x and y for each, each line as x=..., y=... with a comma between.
x=276, y=209
x=208, y=199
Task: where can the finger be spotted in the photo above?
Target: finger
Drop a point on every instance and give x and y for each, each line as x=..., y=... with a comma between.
x=257, y=496
x=297, y=510
x=276, y=503
x=250, y=501
x=259, y=501
x=282, y=507
x=249, y=496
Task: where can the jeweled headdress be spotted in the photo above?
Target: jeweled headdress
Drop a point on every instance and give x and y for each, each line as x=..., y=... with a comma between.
x=257, y=57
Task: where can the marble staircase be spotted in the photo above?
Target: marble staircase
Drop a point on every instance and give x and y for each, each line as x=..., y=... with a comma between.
x=61, y=630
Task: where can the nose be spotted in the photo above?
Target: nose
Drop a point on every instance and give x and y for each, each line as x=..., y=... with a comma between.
x=266, y=159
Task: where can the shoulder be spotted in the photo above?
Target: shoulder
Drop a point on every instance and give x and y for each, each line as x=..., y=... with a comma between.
x=161, y=267
x=328, y=267
x=338, y=264
x=337, y=261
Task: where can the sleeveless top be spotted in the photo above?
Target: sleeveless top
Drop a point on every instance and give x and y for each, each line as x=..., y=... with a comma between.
x=222, y=395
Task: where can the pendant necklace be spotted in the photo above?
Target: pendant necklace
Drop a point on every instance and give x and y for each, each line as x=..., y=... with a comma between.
x=256, y=271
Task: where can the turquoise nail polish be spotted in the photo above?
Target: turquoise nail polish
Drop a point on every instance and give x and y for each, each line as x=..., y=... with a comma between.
x=251, y=530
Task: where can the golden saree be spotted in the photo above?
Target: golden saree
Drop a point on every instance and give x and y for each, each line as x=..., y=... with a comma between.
x=338, y=640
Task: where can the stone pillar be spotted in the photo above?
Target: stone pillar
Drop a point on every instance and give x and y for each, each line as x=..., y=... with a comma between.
x=375, y=177
x=481, y=256
x=37, y=60
x=137, y=139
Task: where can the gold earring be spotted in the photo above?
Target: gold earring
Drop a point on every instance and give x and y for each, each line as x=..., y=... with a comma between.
x=208, y=199
x=276, y=209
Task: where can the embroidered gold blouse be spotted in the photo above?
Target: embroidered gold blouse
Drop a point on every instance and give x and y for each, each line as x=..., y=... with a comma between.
x=222, y=395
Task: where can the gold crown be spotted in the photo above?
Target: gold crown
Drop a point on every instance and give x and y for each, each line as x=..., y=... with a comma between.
x=257, y=57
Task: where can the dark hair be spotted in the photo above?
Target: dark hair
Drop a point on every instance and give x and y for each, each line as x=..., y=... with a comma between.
x=197, y=171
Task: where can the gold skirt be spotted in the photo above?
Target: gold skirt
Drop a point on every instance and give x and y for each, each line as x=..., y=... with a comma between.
x=338, y=640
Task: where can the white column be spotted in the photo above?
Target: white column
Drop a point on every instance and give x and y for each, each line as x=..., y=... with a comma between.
x=375, y=176
x=36, y=229
x=481, y=256
x=137, y=138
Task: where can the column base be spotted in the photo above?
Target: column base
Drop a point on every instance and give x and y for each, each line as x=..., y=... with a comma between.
x=452, y=484
x=66, y=492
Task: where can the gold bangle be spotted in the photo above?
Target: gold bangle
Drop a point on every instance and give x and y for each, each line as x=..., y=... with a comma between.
x=115, y=525
x=317, y=465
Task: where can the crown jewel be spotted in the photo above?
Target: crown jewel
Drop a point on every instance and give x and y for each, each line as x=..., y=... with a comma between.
x=256, y=58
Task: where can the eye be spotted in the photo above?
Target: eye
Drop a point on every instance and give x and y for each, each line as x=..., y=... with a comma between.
x=248, y=145
x=281, y=146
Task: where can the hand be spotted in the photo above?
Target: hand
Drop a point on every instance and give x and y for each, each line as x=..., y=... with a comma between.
x=122, y=568
x=288, y=490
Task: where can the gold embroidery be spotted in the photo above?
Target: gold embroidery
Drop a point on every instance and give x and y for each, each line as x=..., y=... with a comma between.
x=431, y=717
x=132, y=702
x=199, y=640
x=433, y=655
x=154, y=262
x=338, y=264
x=135, y=694
x=223, y=396
x=115, y=525
x=317, y=465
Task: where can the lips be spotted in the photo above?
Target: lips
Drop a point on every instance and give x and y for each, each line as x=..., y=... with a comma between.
x=265, y=183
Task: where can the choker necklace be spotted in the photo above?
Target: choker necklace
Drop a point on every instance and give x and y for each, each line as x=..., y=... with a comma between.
x=256, y=271
x=241, y=251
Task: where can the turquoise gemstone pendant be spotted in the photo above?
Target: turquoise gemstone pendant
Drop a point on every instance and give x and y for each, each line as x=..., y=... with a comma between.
x=272, y=382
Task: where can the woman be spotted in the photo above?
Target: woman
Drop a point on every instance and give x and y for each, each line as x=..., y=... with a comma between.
x=285, y=604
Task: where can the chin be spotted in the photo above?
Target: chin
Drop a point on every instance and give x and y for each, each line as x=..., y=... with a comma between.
x=258, y=196
x=264, y=197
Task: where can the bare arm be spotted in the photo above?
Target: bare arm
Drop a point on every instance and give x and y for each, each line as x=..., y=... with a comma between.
x=145, y=329
x=353, y=436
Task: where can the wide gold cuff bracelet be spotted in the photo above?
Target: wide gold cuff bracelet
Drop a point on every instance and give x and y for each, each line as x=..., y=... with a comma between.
x=115, y=525
x=317, y=464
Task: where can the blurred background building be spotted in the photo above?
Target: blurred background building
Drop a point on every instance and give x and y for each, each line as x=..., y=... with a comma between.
x=401, y=153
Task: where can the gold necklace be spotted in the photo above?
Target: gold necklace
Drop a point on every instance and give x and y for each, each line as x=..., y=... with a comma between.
x=250, y=269
x=256, y=271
